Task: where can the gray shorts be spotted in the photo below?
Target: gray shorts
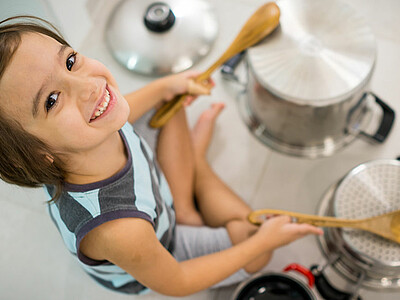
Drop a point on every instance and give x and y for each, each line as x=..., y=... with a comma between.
x=192, y=242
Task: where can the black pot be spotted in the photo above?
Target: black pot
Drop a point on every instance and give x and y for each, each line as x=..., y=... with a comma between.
x=277, y=286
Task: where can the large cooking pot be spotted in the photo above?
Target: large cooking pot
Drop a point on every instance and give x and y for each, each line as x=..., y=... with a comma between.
x=359, y=257
x=307, y=88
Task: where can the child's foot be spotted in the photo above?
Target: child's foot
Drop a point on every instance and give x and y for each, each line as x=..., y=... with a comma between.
x=188, y=216
x=203, y=130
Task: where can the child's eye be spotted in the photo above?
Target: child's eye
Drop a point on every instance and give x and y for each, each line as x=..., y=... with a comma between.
x=51, y=101
x=71, y=61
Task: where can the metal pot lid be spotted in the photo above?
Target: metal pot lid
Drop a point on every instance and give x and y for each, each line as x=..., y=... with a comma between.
x=159, y=38
x=369, y=190
x=322, y=53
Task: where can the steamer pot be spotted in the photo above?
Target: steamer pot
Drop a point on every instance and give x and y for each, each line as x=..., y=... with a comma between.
x=361, y=258
x=307, y=83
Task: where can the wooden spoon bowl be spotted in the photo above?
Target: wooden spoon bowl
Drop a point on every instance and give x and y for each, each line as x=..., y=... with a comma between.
x=261, y=23
x=386, y=225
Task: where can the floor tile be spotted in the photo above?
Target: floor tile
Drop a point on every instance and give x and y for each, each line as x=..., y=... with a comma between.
x=35, y=263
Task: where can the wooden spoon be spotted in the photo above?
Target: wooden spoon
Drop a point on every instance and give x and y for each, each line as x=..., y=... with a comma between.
x=257, y=27
x=386, y=225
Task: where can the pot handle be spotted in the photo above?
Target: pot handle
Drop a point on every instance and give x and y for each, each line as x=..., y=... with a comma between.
x=326, y=290
x=386, y=123
x=228, y=68
x=303, y=270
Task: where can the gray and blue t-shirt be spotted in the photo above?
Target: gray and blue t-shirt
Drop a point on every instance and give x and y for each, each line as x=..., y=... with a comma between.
x=139, y=190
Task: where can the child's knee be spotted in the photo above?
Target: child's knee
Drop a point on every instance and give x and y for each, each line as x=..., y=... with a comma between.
x=239, y=230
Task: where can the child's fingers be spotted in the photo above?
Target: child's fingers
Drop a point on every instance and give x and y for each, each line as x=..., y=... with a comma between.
x=191, y=73
x=305, y=229
x=209, y=83
x=188, y=100
x=302, y=229
x=282, y=218
x=277, y=219
x=197, y=88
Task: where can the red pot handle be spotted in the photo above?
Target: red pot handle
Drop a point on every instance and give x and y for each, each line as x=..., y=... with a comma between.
x=303, y=270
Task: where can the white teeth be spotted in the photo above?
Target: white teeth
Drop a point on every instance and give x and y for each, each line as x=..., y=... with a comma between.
x=103, y=106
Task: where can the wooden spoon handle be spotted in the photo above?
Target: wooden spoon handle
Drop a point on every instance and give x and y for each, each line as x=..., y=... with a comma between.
x=166, y=111
x=256, y=217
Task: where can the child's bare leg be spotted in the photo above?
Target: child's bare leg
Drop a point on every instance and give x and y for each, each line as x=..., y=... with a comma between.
x=218, y=204
x=175, y=155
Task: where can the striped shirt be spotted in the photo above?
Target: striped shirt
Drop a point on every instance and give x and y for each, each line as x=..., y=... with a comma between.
x=139, y=190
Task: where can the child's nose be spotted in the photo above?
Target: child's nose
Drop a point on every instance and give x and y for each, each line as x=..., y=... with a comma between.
x=88, y=90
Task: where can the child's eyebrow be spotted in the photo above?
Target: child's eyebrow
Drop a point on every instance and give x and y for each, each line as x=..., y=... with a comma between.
x=36, y=99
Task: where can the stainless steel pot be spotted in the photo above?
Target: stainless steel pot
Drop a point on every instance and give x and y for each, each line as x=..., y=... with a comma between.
x=307, y=88
x=361, y=258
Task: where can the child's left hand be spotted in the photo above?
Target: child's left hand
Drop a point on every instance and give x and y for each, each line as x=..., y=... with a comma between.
x=184, y=83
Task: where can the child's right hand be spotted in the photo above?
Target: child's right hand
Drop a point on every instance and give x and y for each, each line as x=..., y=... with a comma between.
x=182, y=83
x=279, y=231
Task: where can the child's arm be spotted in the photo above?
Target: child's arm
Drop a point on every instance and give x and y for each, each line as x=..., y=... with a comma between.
x=133, y=245
x=163, y=89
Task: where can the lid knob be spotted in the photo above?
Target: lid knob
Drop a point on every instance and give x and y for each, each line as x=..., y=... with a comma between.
x=159, y=17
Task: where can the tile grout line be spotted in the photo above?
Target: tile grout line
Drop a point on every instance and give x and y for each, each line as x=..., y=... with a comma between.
x=258, y=184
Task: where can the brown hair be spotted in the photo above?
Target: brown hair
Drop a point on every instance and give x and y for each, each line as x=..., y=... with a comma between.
x=25, y=160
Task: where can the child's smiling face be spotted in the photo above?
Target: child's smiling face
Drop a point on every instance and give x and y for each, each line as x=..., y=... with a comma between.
x=69, y=101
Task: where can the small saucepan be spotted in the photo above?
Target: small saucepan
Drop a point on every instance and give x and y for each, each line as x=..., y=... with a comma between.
x=277, y=286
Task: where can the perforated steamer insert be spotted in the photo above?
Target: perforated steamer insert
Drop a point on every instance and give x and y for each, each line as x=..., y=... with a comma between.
x=369, y=190
x=367, y=260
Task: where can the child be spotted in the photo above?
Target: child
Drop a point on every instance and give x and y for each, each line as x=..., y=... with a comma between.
x=64, y=125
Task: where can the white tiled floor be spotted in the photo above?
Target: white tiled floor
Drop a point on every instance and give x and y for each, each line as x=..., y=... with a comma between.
x=35, y=264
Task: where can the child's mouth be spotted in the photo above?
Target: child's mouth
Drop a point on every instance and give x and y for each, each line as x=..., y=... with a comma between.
x=102, y=107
